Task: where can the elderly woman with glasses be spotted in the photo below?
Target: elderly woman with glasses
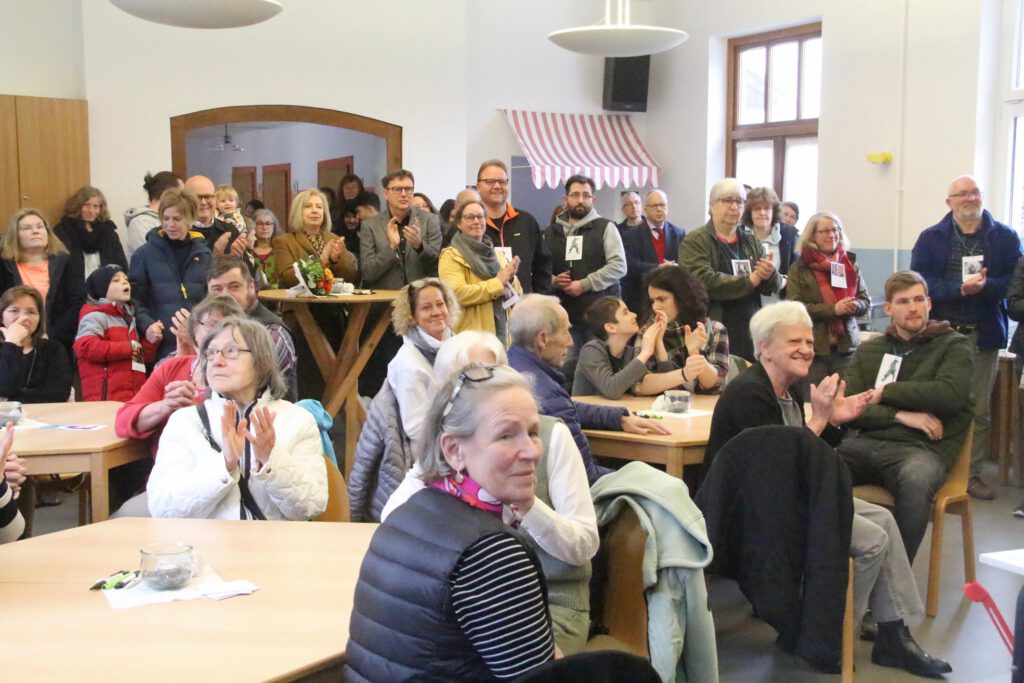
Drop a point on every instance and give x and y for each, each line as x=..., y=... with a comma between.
x=732, y=265
x=265, y=229
x=482, y=277
x=244, y=453
x=827, y=281
x=450, y=589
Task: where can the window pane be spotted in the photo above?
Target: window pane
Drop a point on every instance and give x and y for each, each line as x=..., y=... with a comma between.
x=755, y=163
x=1017, y=175
x=782, y=104
x=800, y=181
x=750, y=94
x=810, y=80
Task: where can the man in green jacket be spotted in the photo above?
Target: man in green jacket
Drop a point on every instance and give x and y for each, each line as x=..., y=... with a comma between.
x=910, y=435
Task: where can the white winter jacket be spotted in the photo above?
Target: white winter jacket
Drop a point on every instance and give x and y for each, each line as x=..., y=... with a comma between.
x=190, y=478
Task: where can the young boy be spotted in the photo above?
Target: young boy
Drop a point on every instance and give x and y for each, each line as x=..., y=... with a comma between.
x=609, y=366
x=111, y=359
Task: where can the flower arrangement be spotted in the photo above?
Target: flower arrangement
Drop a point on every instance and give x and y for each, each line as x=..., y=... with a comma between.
x=317, y=278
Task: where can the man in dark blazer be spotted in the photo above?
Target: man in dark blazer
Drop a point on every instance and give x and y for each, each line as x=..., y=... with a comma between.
x=653, y=243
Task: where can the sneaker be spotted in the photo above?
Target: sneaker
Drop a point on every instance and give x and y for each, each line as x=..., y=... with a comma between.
x=1019, y=512
x=976, y=488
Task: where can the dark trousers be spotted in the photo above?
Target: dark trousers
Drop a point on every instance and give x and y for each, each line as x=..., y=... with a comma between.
x=909, y=471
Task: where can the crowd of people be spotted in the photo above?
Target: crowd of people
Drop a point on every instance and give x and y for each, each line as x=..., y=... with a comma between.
x=473, y=454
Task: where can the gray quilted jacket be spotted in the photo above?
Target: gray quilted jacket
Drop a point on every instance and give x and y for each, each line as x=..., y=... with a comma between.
x=382, y=458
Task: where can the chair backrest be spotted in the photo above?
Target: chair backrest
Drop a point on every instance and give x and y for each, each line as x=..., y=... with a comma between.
x=337, y=496
x=737, y=365
x=624, y=609
x=956, y=480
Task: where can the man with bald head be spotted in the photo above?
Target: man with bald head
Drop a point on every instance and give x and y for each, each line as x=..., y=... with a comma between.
x=633, y=212
x=220, y=236
x=513, y=229
x=653, y=243
x=967, y=259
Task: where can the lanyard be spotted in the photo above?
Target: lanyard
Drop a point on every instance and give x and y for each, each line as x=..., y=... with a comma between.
x=912, y=349
x=963, y=245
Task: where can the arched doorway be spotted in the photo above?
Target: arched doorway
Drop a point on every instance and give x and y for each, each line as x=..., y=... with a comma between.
x=181, y=125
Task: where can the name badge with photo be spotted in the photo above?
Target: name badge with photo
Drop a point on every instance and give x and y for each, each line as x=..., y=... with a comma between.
x=741, y=266
x=889, y=370
x=574, y=248
x=972, y=265
x=511, y=298
x=138, y=362
x=504, y=255
x=838, y=275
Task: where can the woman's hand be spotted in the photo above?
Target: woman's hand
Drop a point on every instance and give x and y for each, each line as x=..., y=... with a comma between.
x=14, y=467
x=649, y=342
x=332, y=252
x=696, y=339
x=179, y=328
x=694, y=366
x=233, y=436
x=848, y=408
x=264, y=439
x=506, y=274
x=823, y=400
x=179, y=394
x=17, y=332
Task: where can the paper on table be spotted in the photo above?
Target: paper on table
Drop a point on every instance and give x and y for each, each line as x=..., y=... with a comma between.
x=206, y=585
x=26, y=423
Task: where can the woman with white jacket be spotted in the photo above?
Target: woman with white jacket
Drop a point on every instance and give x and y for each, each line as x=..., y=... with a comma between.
x=255, y=456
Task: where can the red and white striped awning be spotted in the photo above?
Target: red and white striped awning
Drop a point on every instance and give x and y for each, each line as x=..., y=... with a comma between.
x=603, y=147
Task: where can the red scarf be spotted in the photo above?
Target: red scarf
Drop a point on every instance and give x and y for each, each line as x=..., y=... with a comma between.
x=468, y=491
x=821, y=266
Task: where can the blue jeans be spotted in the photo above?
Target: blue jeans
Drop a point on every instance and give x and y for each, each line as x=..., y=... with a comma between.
x=908, y=470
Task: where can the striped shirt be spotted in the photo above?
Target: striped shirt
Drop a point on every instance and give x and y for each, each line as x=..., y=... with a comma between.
x=11, y=523
x=499, y=603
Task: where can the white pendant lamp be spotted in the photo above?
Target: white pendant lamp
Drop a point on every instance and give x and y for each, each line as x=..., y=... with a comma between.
x=619, y=39
x=201, y=13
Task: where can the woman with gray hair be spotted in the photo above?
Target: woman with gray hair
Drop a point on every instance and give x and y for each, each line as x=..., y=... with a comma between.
x=244, y=453
x=732, y=265
x=827, y=281
x=265, y=228
x=424, y=314
x=450, y=589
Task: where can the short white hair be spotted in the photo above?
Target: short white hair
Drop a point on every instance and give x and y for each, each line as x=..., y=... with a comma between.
x=454, y=353
x=771, y=317
x=535, y=313
x=726, y=187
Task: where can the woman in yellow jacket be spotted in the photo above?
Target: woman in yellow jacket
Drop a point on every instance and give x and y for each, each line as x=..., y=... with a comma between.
x=482, y=277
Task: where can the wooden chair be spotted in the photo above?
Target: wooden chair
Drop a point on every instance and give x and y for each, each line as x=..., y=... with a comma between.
x=623, y=607
x=848, y=631
x=337, y=496
x=952, y=498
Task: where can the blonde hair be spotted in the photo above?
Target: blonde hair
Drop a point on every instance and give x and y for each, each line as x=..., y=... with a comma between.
x=807, y=236
x=295, y=212
x=225, y=191
x=182, y=200
x=403, y=315
x=10, y=247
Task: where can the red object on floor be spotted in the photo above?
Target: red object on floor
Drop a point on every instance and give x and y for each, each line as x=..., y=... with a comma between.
x=975, y=592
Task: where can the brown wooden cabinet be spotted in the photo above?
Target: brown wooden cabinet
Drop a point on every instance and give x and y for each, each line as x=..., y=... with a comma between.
x=44, y=153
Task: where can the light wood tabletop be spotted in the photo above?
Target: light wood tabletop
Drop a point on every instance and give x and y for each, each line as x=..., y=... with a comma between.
x=341, y=369
x=684, y=445
x=58, y=451
x=295, y=625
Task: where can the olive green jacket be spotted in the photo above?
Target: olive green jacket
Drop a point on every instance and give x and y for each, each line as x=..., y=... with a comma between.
x=802, y=286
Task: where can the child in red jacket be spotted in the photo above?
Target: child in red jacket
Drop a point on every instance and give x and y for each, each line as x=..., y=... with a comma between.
x=111, y=358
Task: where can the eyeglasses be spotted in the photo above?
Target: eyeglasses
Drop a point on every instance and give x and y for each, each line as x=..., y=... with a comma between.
x=581, y=195
x=231, y=352
x=656, y=206
x=500, y=182
x=827, y=231
x=405, y=189
x=731, y=201
x=270, y=223
x=205, y=197
x=971, y=194
x=480, y=373
x=473, y=217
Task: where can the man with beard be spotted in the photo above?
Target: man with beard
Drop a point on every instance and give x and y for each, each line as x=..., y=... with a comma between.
x=587, y=257
x=968, y=259
x=912, y=431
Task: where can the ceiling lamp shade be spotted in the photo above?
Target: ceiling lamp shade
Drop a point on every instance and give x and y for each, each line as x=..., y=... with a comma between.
x=201, y=13
x=619, y=39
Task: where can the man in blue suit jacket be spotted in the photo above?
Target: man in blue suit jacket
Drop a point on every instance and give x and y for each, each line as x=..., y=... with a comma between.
x=647, y=246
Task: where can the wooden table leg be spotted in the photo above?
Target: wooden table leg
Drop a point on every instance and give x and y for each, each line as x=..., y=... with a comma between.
x=321, y=349
x=353, y=425
x=102, y=463
x=337, y=394
x=674, y=463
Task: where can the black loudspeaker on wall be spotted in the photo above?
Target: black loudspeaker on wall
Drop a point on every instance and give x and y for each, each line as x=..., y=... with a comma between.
x=625, y=83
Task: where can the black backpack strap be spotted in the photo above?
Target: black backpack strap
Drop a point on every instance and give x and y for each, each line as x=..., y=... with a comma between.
x=204, y=417
x=248, y=503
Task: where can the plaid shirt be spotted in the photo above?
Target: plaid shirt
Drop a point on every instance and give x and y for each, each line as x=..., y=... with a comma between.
x=716, y=352
x=963, y=310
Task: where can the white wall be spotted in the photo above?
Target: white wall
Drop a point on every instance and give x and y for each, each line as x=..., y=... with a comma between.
x=42, y=48
x=300, y=144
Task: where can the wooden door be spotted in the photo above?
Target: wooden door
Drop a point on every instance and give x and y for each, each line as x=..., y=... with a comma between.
x=329, y=173
x=53, y=151
x=243, y=179
x=277, y=181
x=10, y=197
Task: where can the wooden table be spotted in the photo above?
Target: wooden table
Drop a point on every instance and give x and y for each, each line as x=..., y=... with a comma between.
x=58, y=451
x=683, y=446
x=296, y=625
x=340, y=369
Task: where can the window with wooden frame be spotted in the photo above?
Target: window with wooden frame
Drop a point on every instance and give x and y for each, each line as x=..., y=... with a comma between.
x=774, y=96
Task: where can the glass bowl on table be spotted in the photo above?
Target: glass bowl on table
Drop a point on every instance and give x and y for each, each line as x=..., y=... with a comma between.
x=167, y=566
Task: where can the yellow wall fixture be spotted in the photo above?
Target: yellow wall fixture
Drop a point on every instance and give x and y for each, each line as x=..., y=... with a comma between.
x=880, y=158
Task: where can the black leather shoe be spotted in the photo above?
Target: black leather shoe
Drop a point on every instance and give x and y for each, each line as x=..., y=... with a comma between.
x=869, y=628
x=895, y=647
